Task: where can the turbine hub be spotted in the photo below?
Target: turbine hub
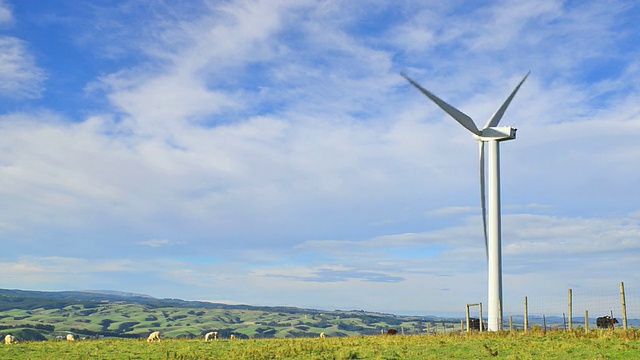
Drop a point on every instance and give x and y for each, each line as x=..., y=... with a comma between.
x=502, y=133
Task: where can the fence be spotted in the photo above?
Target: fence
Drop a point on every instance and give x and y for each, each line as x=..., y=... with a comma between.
x=578, y=310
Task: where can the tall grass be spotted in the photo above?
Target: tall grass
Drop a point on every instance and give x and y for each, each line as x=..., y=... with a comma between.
x=608, y=344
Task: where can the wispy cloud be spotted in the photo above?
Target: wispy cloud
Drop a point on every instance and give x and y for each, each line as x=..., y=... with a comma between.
x=455, y=210
x=6, y=16
x=19, y=75
x=154, y=243
x=332, y=275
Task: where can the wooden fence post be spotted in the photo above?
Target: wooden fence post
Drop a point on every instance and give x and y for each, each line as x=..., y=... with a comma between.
x=570, y=310
x=480, y=310
x=510, y=323
x=586, y=321
x=624, y=306
x=468, y=319
x=526, y=315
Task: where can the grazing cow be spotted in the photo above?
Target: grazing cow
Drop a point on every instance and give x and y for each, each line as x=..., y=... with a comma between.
x=322, y=336
x=70, y=337
x=9, y=339
x=392, y=332
x=233, y=337
x=154, y=336
x=474, y=324
x=606, y=322
x=211, y=336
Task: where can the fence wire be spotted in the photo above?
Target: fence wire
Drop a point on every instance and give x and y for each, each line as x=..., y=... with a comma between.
x=554, y=312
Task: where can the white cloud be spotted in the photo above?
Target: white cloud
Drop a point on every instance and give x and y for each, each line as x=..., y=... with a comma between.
x=19, y=75
x=154, y=243
x=454, y=210
x=6, y=16
x=62, y=273
x=507, y=22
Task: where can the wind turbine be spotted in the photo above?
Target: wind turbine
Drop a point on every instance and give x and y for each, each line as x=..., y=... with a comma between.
x=493, y=135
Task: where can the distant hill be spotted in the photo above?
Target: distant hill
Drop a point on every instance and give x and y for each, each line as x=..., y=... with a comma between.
x=107, y=313
x=116, y=293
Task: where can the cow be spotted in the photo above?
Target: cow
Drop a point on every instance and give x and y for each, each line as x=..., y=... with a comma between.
x=392, y=332
x=474, y=324
x=606, y=322
x=211, y=336
x=322, y=336
x=9, y=339
x=70, y=337
x=154, y=336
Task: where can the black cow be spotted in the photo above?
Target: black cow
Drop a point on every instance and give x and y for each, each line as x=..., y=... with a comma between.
x=474, y=324
x=606, y=322
x=392, y=332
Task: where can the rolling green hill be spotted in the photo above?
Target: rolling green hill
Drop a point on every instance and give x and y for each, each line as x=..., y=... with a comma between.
x=27, y=314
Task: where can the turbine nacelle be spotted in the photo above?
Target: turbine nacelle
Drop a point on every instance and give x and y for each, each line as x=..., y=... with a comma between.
x=502, y=133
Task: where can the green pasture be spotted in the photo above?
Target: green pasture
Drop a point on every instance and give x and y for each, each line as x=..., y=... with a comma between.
x=137, y=321
x=608, y=344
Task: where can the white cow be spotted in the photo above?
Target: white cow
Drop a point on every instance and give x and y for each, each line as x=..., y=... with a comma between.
x=211, y=336
x=9, y=339
x=154, y=336
x=322, y=336
x=70, y=337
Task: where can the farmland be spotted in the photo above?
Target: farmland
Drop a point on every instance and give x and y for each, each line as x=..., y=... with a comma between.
x=605, y=344
x=33, y=316
x=137, y=321
x=114, y=327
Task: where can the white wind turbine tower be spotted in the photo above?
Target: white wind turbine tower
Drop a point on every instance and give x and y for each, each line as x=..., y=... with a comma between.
x=493, y=135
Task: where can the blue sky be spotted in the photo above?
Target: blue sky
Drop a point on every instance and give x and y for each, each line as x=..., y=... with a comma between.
x=270, y=153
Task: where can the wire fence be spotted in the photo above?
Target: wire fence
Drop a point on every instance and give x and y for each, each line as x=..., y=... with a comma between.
x=579, y=308
x=576, y=309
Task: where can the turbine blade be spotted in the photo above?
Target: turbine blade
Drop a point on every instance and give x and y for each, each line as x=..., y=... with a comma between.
x=497, y=116
x=483, y=201
x=458, y=115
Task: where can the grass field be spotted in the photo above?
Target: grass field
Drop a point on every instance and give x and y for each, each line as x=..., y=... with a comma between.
x=607, y=344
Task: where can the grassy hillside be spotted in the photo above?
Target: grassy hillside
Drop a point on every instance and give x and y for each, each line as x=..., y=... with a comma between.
x=53, y=315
